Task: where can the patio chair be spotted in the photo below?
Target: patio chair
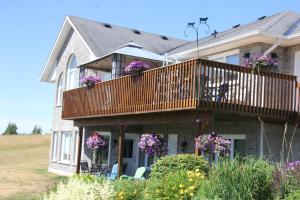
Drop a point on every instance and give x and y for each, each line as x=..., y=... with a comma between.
x=139, y=174
x=84, y=166
x=223, y=89
x=114, y=171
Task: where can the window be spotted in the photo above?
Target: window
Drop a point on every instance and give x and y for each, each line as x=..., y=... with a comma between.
x=128, y=148
x=54, y=147
x=65, y=155
x=75, y=147
x=59, y=91
x=230, y=57
x=237, y=145
x=72, y=73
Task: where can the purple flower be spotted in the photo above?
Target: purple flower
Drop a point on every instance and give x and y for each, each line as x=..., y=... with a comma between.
x=96, y=141
x=292, y=166
x=152, y=144
x=259, y=61
x=136, y=67
x=90, y=79
x=212, y=144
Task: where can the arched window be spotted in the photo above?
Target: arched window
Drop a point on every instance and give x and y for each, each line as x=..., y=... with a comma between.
x=72, y=73
x=59, y=90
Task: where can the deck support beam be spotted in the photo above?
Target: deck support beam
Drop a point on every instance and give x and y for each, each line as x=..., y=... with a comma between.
x=121, y=150
x=79, y=145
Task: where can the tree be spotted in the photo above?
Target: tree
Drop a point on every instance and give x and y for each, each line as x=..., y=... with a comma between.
x=37, y=130
x=11, y=129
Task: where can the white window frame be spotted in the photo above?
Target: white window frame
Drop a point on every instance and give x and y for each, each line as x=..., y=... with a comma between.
x=62, y=149
x=54, y=146
x=221, y=57
x=109, y=145
x=75, y=147
x=230, y=137
x=72, y=80
x=59, y=90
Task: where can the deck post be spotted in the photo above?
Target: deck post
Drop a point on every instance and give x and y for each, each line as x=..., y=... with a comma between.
x=121, y=150
x=79, y=146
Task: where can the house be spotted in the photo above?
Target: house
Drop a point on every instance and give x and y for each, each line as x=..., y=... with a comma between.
x=173, y=99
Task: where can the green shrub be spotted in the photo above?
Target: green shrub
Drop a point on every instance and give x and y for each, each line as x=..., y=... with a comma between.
x=83, y=188
x=239, y=179
x=129, y=189
x=176, y=185
x=295, y=195
x=175, y=163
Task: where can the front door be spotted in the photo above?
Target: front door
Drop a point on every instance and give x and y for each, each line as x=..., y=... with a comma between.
x=131, y=152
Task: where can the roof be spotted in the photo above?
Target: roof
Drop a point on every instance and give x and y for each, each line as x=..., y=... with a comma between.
x=98, y=35
x=282, y=24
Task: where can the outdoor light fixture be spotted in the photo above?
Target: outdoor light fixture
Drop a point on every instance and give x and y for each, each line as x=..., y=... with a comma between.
x=274, y=55
x=246, y=55
x=202, y=20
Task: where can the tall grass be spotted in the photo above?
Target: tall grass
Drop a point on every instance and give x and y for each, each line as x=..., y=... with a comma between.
x=240, y=180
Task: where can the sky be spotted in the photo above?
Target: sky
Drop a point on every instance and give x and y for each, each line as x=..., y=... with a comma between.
x=28, y=29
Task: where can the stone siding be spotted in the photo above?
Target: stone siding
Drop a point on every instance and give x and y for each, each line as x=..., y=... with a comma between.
x=73, y=45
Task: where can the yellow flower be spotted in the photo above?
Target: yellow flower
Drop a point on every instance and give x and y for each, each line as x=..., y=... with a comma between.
x=197, y=170
x=181, y=191
x=181, y=186
x=173, y=188
x=191, y=187
x=191, y=194
x=157, y=191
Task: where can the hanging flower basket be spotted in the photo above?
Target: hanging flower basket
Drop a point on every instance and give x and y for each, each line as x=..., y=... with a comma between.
x=152, y=144
x=136, y=68
x=212, y=144
x=259, y=63
x=96, y=143
x=90, y=81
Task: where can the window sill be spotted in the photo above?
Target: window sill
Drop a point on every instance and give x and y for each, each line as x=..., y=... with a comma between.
x=54, y=161
x=64, y=162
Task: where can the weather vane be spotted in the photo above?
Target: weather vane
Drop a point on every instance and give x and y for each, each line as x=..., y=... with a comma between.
x=203, y=21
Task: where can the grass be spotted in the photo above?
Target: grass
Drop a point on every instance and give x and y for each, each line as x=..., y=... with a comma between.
x=23, y=168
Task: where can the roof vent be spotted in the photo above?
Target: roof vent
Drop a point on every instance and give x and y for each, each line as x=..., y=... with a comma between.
x=235, y=26
x=164, y=37
x=261, y=18
x=137, y=32
x=215, y=33
x=107, y=25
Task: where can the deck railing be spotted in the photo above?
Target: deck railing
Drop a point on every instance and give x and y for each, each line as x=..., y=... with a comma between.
x=188, y=85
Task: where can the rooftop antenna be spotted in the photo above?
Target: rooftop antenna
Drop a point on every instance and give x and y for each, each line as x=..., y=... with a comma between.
x=191, y=25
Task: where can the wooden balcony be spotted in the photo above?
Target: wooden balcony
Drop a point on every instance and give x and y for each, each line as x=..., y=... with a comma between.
x=194, y=84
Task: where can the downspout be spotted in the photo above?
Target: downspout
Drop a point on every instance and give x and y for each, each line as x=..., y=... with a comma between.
x=274, y=46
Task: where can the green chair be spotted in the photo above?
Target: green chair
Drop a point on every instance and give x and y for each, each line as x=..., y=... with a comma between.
x=139, y=174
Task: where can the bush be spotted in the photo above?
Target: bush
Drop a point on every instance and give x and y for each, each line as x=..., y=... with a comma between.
x=295, y=195
x=175, y=163
x=239, y=179
x=176, y=185
x=286, y=179
x=83, y=187
x=11, y=129
x=129, y=189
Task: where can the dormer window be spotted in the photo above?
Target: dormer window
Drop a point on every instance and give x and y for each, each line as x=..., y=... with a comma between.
x=72, y=73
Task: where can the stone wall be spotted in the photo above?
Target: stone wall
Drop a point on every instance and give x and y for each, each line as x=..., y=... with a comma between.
x=73, y=45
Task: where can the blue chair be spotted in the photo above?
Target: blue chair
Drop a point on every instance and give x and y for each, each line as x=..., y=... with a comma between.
x=114, y=172
x=139, y=174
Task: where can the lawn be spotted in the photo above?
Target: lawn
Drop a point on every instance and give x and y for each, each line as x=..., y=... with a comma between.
x=23, y=167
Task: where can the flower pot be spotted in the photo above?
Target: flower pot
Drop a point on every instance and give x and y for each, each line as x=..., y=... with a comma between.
x=90, y=85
